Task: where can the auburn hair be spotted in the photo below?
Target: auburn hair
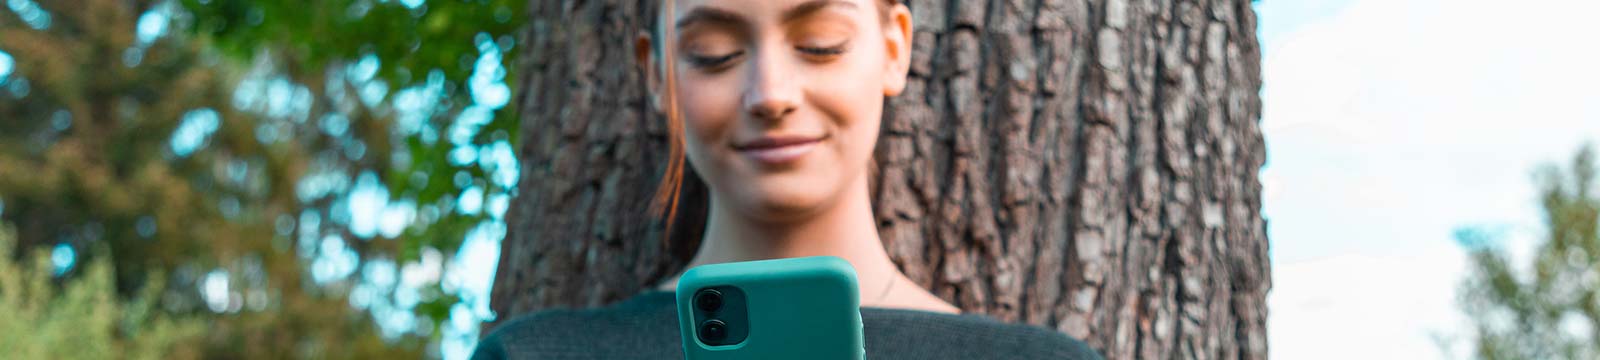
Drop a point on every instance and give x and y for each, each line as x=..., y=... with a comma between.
x=678, y=181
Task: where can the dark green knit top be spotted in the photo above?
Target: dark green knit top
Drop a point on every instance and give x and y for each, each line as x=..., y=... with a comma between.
x=646, y=327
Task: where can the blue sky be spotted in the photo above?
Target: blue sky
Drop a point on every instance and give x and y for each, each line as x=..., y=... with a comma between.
x=1389, y=124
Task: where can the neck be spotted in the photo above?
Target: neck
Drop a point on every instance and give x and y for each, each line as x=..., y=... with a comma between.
x=844, y=229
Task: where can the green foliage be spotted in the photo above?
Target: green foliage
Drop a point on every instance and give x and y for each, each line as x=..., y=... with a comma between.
x=1551, y=310
x=87, y=157
x=437, y=45
x=85, y=319
x=311, y=43
x=313, y=35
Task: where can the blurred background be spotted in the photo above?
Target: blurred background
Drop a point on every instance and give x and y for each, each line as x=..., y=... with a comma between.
x=286, y=179
x=252, y=179
x=1407, y=191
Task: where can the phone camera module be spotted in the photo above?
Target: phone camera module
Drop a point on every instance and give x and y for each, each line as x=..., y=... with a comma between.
x=719, y=314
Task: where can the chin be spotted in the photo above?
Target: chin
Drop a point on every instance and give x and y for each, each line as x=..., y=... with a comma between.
x=779, y=199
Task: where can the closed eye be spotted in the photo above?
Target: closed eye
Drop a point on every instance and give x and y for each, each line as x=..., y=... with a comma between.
x=701, y=61
x=822, y=51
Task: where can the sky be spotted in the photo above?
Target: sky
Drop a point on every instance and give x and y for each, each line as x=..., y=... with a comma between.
x=1391, y=123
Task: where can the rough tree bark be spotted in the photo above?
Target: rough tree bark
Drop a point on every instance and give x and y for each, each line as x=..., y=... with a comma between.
x=1084, y=165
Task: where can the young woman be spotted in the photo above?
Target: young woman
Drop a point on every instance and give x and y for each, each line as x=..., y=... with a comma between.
x=776, y=105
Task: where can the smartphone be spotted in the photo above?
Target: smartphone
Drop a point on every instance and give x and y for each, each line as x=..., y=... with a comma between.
x=795, y=308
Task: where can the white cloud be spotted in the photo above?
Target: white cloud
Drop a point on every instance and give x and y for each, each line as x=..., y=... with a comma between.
x=1348, y=306
x=1390, y=123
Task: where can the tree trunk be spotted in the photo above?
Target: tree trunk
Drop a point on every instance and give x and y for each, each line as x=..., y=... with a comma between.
x=1084, y=165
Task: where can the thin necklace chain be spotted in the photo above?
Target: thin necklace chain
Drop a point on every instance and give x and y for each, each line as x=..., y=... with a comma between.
x=886, y=288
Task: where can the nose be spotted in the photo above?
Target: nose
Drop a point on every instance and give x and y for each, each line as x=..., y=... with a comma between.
x=771, y=92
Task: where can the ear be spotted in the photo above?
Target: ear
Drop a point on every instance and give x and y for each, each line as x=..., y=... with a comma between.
x=644, y=55
x=897, y=42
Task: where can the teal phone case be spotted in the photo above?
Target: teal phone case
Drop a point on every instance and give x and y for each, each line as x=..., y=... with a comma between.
x=798, y=308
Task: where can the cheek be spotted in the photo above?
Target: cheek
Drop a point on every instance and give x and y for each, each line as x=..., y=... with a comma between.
x=709, y=106
x=850, y=94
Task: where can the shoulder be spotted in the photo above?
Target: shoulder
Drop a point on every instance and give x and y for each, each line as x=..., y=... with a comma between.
x=528, y=335
x=631, y=329
x=936, y=335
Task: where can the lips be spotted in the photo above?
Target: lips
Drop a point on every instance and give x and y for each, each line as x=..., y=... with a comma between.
x=777, y=150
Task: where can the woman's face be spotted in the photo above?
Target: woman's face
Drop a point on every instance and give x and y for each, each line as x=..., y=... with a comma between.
x=781, y=99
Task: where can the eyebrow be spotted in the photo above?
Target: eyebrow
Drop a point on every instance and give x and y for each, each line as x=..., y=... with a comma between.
x=721, y=16
x=711, y=15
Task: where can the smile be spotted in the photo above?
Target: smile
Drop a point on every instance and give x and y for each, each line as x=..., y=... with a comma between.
x=778, y=150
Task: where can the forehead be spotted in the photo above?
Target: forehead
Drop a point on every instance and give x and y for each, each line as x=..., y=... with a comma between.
x=759, y=10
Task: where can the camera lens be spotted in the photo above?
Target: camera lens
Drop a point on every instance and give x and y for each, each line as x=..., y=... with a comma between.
x=708, y=300
x=713, y=330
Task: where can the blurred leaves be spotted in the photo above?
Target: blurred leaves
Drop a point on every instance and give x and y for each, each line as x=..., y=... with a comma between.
x=1549, y=309
x=84, y=319
x=293, y=168
x=412, y=40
